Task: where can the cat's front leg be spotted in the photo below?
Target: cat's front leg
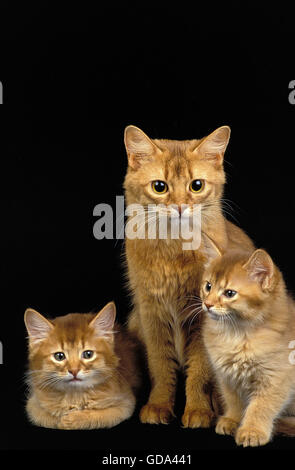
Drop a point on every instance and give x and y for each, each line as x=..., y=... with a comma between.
x=95, y=419
x=230, y=420
x=198, y=412
x=162, y=368
x=40, y=416
x=265, y=405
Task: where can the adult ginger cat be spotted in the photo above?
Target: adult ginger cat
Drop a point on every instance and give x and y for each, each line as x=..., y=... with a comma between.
x=82, y=371
x=249, y=326
x=164, y=278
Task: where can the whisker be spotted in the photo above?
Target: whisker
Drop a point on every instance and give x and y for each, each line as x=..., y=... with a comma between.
x=189, y=306
x=197, y=312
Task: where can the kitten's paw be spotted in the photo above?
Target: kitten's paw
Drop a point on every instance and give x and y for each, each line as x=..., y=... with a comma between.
x=246, y=437
x=226, y=425
x=72, y=420
x=197, y=418
x=156, y=414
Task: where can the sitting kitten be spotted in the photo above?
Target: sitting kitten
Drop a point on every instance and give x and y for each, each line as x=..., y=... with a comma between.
x=82, y=371
x=250, y=322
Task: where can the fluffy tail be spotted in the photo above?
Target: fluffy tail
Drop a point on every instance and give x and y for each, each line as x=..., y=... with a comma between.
x=286, y=426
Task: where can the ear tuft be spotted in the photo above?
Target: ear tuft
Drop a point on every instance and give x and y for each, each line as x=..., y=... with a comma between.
x=103, y=322
x=37, y=326
x=260, y=268
x=139, y=146
x=214, y=145
x=211, y=250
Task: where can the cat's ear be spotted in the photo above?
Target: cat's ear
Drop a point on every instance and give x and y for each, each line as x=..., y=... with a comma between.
x=260, y=268
x=214, y=145
x=139, y=147
x=211, y=250
x=103, y=322
x=37, y=326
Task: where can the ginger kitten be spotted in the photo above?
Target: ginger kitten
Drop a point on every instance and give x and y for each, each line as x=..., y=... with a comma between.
x=82, y=370
x=163, y=278
x=250, y=322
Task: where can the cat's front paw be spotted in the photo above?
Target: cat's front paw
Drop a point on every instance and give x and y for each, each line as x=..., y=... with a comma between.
x=197, y=418
x=72, y=420
x=250, y=436
x=156, y=414
x=226, y=426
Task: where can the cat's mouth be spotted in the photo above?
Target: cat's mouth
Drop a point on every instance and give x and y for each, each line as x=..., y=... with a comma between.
x=211, y=313
x=74, y=380
x=217, y=316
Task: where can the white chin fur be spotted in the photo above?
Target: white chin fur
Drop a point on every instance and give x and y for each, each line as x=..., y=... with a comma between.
x=84, y=382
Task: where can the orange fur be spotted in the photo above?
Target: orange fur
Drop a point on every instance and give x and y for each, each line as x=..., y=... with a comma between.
x=163, y=278
x=80, y=393
x=247, y=338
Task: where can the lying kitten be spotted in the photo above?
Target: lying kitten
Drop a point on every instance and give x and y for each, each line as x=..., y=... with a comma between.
x=250, y=322
x=82, y=372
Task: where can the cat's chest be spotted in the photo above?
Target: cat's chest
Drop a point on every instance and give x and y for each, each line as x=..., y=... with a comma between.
x=237, y=362
x=166, y=278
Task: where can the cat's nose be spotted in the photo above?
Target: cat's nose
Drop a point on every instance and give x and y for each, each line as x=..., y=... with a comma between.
x=208, y=305
x=74, y=372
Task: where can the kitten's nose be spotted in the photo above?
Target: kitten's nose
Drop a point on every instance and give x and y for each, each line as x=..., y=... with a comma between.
x=74, y=372
x=208, y=305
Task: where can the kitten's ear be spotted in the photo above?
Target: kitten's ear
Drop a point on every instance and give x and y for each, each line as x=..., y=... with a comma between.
x=139, y=147
x=103, y=322
x=214, y=145
x=260, y=268
x=37, y=326
x=211, y=250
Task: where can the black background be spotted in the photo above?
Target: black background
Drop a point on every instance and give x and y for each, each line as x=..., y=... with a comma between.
x=73, y=79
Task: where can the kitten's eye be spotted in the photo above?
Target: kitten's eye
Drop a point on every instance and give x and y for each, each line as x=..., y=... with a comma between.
x=208, y=286
x=159, y=187
x=87, y=354
x=196, y=186
x=229, y=293
x=59, y=356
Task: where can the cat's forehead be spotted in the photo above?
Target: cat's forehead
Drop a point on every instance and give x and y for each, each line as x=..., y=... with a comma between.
x=229, y=276
x=177, y=167
x=72, y=329
x=178, y=160
x=176, y=148
x=167, y=167
x=228, y=271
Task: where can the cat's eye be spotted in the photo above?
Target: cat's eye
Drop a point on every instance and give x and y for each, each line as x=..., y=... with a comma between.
x=87, y=354
x=196, y=186
x=208, y=286
x=229, y=293
x=159, y=187
x=59, y=356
